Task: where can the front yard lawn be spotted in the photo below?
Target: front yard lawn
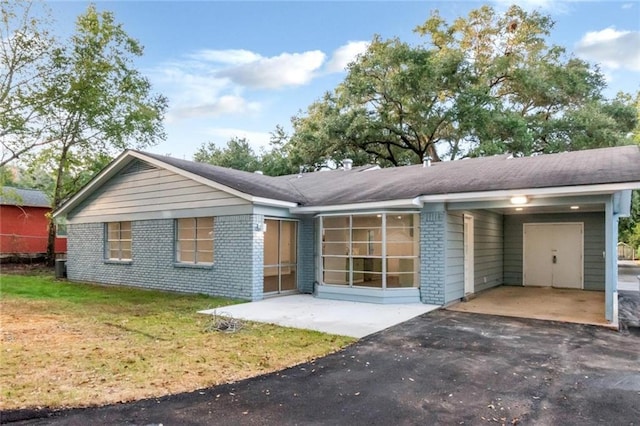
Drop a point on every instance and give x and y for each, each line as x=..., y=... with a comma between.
x=66, y=344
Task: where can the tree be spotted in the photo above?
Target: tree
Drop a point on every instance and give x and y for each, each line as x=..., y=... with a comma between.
x=26, y=68
x=238, y=155
x=100, y=105
x=485, y=84
x=276, y=161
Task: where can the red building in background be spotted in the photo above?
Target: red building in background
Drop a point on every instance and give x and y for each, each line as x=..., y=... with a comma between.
x=24, y=225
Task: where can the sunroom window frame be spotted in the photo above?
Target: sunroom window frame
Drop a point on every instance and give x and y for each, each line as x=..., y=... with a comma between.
x=383, y=257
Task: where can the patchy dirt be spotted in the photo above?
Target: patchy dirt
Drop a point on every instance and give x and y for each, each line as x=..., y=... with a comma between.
x=27, y=268
x=441, y=368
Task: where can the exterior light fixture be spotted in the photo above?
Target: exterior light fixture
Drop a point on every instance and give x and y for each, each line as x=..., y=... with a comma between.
x=519, y=200
x=519, y=209
x=575, y=207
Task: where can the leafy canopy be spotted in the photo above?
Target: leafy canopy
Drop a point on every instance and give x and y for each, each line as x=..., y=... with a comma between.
x=484, y=84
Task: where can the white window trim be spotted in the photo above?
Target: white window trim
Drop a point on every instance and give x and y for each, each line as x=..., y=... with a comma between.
x=195, y=262
x=107, y=241
x=383, y=257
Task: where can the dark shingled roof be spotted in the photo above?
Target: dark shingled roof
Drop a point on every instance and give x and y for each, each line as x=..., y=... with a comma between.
x=23, y=197
x=359, y=185
x=249, y=183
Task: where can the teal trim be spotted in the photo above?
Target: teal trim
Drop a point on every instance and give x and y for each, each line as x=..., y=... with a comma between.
x=368, y=295
x=611, y=268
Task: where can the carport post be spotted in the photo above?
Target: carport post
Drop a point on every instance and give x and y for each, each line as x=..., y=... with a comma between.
x=611, y=261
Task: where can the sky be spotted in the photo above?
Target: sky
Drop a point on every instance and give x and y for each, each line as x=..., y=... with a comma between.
x=242, y=68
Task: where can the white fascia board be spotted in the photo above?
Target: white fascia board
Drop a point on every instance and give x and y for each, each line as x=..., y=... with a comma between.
x=407, y=203
x=273, y=203
x=192, y=176
x=607, y=188
x=97, y=181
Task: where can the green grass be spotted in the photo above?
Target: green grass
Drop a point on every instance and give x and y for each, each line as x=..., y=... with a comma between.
x=71, y=344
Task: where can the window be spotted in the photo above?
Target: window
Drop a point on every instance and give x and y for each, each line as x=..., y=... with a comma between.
x=194, y=240
x=371, y=250
x=118, y=241
x=61, y=227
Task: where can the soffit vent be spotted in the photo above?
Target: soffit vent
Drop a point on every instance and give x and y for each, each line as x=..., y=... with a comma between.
x=137, y=167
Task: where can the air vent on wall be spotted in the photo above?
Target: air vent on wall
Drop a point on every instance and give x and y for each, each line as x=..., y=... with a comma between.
x=138, y=166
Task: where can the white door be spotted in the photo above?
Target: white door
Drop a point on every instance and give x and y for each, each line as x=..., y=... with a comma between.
x=553, y=254
x=468, y=255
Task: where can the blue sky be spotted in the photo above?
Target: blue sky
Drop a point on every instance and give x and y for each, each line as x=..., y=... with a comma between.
x=241, y=68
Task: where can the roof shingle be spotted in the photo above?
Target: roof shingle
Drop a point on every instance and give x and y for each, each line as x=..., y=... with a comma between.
x=359, y=185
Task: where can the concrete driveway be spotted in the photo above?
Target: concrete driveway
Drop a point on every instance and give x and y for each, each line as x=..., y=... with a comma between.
x=440, y=368
x=628, y=273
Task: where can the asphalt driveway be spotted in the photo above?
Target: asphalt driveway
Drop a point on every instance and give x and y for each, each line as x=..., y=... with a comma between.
x=440, y=368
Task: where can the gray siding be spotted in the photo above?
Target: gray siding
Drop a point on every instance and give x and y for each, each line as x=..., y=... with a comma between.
x=236, y=273
x=454, y=280
x=152, y=193
x=488, y=247
x=594, y=245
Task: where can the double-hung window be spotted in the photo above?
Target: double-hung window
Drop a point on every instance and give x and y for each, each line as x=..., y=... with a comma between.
x=194, y=240
x=118, y=245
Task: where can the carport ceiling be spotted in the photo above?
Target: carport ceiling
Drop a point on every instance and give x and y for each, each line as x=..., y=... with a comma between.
x=582, y=208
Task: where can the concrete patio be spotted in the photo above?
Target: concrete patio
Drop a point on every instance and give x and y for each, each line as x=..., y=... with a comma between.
x=354, y=319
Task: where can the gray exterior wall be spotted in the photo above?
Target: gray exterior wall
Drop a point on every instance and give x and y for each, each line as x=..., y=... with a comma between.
x=141, y=191
x=454, y=280
x=236, y=272
x=594, y=245
x=488, y=248
x=306, y=254
x=433, y=245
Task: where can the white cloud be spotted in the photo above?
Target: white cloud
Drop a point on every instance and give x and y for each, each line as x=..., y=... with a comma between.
x=627, y=6
x=228, y=56
x=345, y=54
x=227, y=104
x=611, y=48
x=286, y=69
x=257, y=140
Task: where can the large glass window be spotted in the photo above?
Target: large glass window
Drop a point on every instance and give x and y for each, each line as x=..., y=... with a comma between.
x=371, y=250
x=194, y=240
x=118, y=245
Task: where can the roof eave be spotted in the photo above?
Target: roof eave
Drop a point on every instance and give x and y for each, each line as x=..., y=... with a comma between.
x=127, y=156
x=558, y=191
x=97, y=181
x=404, y=203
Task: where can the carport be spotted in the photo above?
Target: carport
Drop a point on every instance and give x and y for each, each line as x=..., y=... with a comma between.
x=546, y=303
x=540, y=255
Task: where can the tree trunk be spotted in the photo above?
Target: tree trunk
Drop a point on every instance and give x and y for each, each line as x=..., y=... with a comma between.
x=55, y=203
x=51, y=243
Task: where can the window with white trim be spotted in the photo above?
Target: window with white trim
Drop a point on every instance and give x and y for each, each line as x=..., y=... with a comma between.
x=194, y=240
x=379, y=250
x=118, y=245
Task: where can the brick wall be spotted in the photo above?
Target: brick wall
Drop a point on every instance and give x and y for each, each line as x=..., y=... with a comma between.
x=236, y=272
x=306, y=255
x=432, y=256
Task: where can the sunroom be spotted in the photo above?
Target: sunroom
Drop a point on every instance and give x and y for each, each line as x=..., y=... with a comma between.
x=369, y=256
